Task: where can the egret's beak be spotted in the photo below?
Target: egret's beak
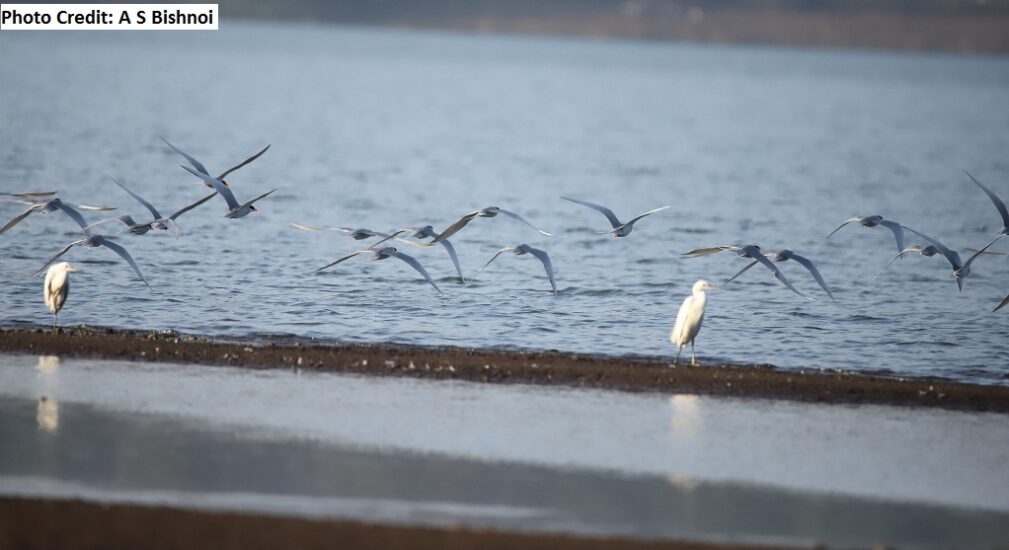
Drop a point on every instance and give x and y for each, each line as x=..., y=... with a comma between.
x=712, y=287
x=75, y=268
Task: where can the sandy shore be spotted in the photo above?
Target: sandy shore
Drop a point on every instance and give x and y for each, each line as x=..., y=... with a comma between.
x=498, y=366
x=71, y=524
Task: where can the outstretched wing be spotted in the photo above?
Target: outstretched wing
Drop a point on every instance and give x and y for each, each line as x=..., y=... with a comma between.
x=416, y=265
x=343, y=259
x=816, y=272
x=196, y=164
x=980, y=252
x=454, y=228
x=122, y=254
x=263, y=196
x=894, y=259
x=147, y=205
x=521, y=219
x=191, y=206
x=698, y=252
x=952, y=257
x=649, y=213
x=547, y=265
x=740, y=272
x=56, y=257
x=846, y=222
x=455, y=259
x=999, y=205
x=898, y=232
x=499, y=252
x=1002, y=304
x=218, y=186
x=74, y=215
x=243, y=163
x=606, y=211
x=777, y=272
x=17, y=219
x=125, y=219
x=318, y=229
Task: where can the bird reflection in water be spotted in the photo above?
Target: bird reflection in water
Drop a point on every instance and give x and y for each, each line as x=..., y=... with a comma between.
x=685, y=421
x=47, y=412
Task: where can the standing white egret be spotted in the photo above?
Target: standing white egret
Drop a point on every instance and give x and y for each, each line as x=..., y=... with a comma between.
x=57, y=287
x=689, y=319
x=620, y=229
x=874, y=221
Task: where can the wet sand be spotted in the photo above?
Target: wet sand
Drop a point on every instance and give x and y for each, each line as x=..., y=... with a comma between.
x=68, y=524
x=506, y=366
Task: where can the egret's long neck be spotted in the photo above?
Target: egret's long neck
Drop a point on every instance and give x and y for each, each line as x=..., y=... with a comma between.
x=700, y=296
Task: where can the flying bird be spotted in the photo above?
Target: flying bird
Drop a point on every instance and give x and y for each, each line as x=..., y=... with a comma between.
x=235, y=210
x=961, y=270
x=1002, y=304
x=51, y=205
x=428, y=232
x=489, y=212
x=160, y=222
x=784, y=256
x=93, y=241
x=620, y=229
x=523, y=249
x=356, y=234
x=382, y=254
x=25, y=196
x=689, y=319
x=999, y=205
x=203, y=170
x=928, y=251
x=749, y=251
x=874, y=221
x=57, y=287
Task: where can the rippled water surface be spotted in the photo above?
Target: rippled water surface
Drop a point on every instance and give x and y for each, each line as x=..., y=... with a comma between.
x=374, y=128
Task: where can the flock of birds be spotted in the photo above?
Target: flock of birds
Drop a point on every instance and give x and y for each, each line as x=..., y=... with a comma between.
x=688, y=320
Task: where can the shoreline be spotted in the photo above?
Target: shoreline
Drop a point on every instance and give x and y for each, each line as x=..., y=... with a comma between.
x=631, y=374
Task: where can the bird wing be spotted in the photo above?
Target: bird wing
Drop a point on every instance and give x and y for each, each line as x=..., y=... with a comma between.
x=649, y=213
x=846, y=222
x=93, y=208
x=17, y=219
x=30, y=195
x=816, y=272
x=314, y=228
x=147, y=205
x=416, y=265
x=454, y=228
x=999, y=205
x=56, y=257
x=979, y=252
x=263, y=196
x=898, y=232
x=347, y=257
x=894, y=259
x=455, y=258
x=523, y=220
x=547, y=264
x=191, y=206
x=698, y=252
x=125, y=219
x=243, y=163
x=1002, y=304
x=741, y=271
x=73, y=214
x=606, y=211
x=196, y=164
x=952, y=257
x=777, y=272
x=122, y=254
x=499, y=252
x=218, y=186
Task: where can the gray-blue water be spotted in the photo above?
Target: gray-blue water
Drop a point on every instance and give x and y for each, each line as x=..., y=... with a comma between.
x=381, y=128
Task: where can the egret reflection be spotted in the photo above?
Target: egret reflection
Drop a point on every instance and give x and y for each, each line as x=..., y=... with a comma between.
x=47, y=414
x=48, y=364
x=47, y=411
x=685, y=421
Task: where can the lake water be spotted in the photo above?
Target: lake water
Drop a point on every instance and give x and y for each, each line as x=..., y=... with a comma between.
x=507, y=456
x=384, y=128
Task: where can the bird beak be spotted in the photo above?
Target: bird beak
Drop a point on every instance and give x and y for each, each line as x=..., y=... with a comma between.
x=712, y=287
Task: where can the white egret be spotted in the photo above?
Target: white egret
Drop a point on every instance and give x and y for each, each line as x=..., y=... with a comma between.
x=620, y=229
x=750, y=251
x=689, y=319
x=203, y=170
x=489, y=212
x=160, y=222
x=874, y=221
x=523, y=249
x=57, y=287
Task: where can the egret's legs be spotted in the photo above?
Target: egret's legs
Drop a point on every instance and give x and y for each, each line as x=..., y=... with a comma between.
x=693, y=358
x=679, y=350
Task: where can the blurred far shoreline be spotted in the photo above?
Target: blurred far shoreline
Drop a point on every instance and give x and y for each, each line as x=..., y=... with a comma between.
x=956, y=26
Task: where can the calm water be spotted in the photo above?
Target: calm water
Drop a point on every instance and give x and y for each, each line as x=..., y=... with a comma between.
x=384, y=128
x=529, y=458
